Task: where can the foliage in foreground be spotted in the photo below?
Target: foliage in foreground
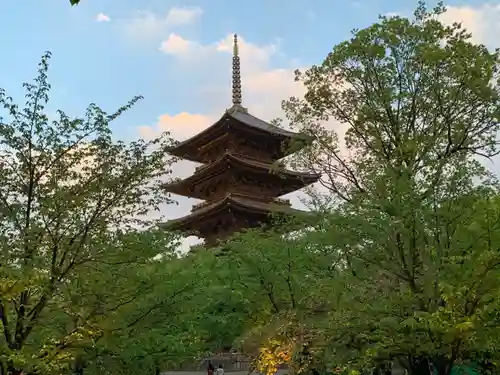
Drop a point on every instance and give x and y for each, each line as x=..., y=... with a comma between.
x=340, y=297
x=162, y=329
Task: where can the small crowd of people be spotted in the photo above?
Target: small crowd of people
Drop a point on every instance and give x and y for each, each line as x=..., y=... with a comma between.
x=212, y=371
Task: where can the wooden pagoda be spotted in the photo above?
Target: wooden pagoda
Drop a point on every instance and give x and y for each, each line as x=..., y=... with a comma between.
x=240, y=179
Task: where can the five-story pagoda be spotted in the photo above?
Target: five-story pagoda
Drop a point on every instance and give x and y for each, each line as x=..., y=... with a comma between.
x=239, y=179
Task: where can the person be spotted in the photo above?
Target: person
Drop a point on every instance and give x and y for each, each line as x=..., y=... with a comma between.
x=210, y=369
x=220, y=370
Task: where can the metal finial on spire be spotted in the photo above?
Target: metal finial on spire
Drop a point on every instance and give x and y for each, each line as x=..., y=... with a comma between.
x=236, y=74
x=235, y=45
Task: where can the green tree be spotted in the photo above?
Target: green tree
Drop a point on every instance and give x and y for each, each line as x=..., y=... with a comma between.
x=427, y=306
x=351, y=307
x=72, y=202
x=282, y=282
x=104, y=301
x=416, y=213
x=161, y=328
x=416, y=96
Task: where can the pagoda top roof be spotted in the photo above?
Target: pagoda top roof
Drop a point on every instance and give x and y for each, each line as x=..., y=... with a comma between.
x=298, y=179
x=242, y=120
x=237, y=117
x=233, y=201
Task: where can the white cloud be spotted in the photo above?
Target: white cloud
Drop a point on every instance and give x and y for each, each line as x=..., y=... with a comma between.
x=482, y=21
x=254, y=57
x=180, y=126
x=178, y=46
x=149, y=25
x=101, y=17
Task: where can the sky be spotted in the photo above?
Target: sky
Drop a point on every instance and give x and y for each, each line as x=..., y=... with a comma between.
x=177, y=54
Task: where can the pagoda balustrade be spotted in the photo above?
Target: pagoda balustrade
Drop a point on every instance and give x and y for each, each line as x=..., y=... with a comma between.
x=247, y=157
x=280, y=201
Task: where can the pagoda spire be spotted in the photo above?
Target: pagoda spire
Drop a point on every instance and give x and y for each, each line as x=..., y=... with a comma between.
x=236, y=83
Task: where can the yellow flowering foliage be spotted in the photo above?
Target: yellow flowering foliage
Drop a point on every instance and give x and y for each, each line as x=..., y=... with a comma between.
x=273, y=354
x=55, y=355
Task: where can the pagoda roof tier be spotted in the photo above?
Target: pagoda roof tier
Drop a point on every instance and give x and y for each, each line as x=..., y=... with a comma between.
x=238, y=120
x=231, y=163
x=230, y=204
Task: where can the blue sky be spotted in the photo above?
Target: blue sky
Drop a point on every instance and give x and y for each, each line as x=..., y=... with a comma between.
x=177, y=53
x=109, y=62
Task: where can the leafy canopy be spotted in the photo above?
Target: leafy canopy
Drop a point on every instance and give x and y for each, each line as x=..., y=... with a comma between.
x=74, y=206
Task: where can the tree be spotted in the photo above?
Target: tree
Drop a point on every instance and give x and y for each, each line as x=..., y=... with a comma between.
x=417, y=96
x=161, y=328
x=415, y=211
x=431, y=305
x=117, y=299
x=74, y=2
x=73, y=203
x=284, y=282
x=351, y=310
